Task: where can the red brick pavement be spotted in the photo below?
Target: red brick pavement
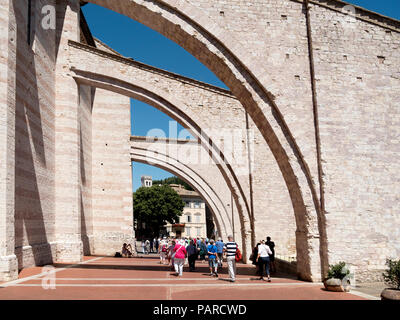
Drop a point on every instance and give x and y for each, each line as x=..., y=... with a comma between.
x=145, y=279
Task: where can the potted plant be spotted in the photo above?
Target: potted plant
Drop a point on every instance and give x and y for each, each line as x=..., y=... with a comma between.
x=338, y=278
x=392, y=278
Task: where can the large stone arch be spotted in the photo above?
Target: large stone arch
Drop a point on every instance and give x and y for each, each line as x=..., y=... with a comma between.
x=175, y=108
x=141, y=152
x=221, y=53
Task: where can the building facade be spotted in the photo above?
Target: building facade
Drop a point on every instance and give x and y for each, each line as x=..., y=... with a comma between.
x=147, y=181
x=192, y=223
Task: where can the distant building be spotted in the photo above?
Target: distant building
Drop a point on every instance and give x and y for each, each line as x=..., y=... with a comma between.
x=147, y=181
x=192, y=223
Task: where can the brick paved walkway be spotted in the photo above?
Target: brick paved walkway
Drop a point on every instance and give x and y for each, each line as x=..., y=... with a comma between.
x=145, y=278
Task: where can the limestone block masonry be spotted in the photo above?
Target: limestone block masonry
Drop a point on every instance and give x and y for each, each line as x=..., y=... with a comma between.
x=315, y=91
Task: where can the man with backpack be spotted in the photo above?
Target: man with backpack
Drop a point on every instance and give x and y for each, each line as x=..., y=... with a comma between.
x=231, y=248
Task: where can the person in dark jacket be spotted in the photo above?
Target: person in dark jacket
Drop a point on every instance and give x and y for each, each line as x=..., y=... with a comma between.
x=254, y=256
x=271, y=245
x=203, y=250
x=192, y=253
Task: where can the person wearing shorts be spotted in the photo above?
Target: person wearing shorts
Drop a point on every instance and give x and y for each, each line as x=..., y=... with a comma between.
x=212, y=258
x=220, y=251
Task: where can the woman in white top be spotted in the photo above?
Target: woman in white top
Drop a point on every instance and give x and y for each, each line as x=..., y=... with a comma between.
x=263, y=259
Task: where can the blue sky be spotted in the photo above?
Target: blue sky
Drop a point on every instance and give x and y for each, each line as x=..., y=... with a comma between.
x=141, y=43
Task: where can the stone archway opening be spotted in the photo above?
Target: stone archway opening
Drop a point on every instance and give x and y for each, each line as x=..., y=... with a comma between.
x=193, y=222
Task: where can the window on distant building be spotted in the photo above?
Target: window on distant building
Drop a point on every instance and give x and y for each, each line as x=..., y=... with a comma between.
x=187, y=204
x=197, y=204
x=187, y=231
x=189, y=218
x=198, y=229
x=198, y=217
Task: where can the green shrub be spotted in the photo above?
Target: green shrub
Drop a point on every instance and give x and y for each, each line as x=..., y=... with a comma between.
x=338, y=271
x=392, y=274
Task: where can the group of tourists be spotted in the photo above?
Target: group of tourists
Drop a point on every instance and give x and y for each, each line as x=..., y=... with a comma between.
x=176, y=252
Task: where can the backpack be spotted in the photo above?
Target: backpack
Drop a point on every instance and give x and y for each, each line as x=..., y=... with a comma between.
x=164, y=248
x=238, y=256
x=118, y=255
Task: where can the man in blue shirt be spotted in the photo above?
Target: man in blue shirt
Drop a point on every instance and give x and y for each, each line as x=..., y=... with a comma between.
x=220, y=251
x=212, y=258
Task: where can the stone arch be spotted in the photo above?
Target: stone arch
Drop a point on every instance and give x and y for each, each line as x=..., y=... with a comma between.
x=175, y=109
x=189, y=175
x=218, y=50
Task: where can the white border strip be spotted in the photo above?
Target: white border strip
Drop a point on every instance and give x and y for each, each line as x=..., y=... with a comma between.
x=265, y=285
x=364, y=295
x=181, y=279
x=18, y=281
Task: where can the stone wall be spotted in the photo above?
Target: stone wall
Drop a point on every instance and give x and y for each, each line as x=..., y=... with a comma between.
x=358, y=86
x=86, y=100
x=112, y=207
x=34, y=137
x=67, y=141
x=357, y=65
x=8, y=260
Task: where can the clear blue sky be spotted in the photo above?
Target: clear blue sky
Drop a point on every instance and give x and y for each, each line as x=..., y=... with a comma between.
x=141, y=43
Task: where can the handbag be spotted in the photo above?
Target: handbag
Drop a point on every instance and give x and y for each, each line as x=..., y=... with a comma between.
x=238, y=256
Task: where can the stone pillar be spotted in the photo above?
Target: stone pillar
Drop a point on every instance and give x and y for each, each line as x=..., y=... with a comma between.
x=67, y=159
x=111, y=173
x=308, y=256
x=8, y=260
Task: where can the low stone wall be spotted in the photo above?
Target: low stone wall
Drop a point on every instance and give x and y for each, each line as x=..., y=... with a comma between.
x=286, y=266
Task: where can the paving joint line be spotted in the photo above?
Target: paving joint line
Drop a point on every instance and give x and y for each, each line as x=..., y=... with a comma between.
x=19, y=281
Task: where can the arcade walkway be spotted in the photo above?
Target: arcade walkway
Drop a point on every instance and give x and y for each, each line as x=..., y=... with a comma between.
x=145, y=278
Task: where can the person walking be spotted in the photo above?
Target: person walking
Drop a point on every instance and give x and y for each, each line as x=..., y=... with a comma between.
x=230, y=249
x=192, y=252
x=152, y=245
x=212, y=258
x=143, y=246
x=179, y=253
x=254, y=258
x=157, y=244
x=220, y=251
x=170, y=254
x=263, y=258
x=271, y=245
x=203, y=251
x=163, y=249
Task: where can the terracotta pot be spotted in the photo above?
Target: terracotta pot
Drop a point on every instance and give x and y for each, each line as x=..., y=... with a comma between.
x=336, y=285
x=390, y=294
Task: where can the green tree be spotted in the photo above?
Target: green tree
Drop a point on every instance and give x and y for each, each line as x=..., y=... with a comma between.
x=392, y=274
x=173, y=180
x=155, y=206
